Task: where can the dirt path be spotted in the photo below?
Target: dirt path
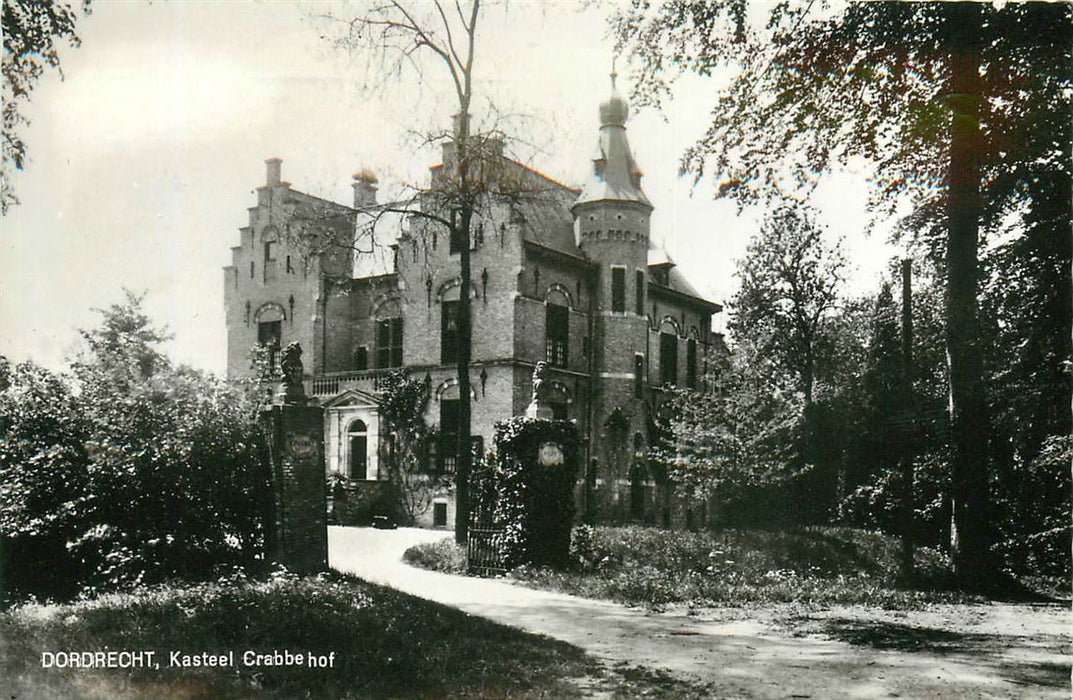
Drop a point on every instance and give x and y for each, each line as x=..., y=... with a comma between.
x=977, y=651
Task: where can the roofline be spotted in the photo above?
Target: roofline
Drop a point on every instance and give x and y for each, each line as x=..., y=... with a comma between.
x=534, y=171
x=373, y=278
x=311, y=196
x=711, y=306
x=646, y=205
x=568, y=188
x=561, y=254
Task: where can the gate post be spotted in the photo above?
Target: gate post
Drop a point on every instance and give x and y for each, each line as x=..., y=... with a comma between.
x=295, y=435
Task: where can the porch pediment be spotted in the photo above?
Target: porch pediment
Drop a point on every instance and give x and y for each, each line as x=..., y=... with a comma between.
x=352, y=397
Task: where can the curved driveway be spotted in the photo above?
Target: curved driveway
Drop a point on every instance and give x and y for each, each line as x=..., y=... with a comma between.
x=730, y=651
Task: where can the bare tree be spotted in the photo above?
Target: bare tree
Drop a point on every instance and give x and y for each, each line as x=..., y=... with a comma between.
x=392, y=37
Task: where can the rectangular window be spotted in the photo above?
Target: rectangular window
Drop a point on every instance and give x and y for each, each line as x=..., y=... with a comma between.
x=639, y=376
x=668, y=358
x=270, y=334
x=361, y=358
x=389, y=343
x=639, y=294
x=449, y=332
x=557, y=319
x=439, y=515
x=270, y=251
x=691, y=363
x=447, y=450
x=618, y=289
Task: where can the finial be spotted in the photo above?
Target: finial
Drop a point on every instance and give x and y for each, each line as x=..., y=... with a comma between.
x=614, y=111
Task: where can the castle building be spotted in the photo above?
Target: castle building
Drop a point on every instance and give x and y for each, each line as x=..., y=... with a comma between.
x=569, y=277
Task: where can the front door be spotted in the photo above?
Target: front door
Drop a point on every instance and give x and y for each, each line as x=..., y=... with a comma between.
x=358, y=457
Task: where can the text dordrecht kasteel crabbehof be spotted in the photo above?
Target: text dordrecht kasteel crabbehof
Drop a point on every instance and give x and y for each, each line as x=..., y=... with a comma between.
x=185, y=659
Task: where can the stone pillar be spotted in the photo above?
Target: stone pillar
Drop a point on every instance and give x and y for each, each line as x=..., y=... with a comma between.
x=300, y=524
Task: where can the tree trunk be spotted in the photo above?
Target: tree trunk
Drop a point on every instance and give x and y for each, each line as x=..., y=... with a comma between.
x=464, y=459
x=908, y=451
x=465, y=455
x=968, y=419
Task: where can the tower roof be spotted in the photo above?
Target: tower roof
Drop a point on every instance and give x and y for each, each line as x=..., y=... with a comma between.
x=615, y=175
x=614, y=111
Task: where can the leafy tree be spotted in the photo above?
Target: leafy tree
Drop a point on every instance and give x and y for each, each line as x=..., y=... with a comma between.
x=965, y=107
x=125, y=348
x=174, y=459
x=789, y=285
x=43, y=478
x=758, y=430
x=790, y=279
x=877, y=445
x=31, y=30
x=403, y=400
x=738, y=437
x=143, y=474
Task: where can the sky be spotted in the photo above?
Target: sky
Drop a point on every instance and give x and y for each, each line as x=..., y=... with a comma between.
x=144, y=158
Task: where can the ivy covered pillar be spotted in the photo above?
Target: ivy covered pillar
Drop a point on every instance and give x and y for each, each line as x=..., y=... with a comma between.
x=537, y=463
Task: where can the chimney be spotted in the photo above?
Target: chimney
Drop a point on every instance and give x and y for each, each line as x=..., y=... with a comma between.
x=364, y=185
x=273, y=167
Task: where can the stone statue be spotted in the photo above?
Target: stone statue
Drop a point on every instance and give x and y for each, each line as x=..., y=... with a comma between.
x=538, y=404
x=539, y=392
x=291, y=365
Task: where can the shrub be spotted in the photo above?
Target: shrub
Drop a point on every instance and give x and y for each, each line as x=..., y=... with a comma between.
x=131, y=471
x=646, y=566
x=445, y=556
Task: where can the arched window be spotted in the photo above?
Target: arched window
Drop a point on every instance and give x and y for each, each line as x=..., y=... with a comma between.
x=269, y=318
x=557, y=333
x=358, y=441
x=668, y=351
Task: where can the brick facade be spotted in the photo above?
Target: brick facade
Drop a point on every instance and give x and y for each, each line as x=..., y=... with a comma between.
x=570, y=277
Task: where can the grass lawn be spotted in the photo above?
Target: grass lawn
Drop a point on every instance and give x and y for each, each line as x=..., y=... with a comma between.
x=653, y=567
x=385, y=644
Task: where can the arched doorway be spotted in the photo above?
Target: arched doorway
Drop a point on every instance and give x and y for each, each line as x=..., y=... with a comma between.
x=358, y=448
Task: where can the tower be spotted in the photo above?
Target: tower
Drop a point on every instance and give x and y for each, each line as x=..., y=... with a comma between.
x=612, y=225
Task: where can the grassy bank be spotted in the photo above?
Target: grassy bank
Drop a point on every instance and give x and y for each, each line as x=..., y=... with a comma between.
x=385, y=644
x=648, y=566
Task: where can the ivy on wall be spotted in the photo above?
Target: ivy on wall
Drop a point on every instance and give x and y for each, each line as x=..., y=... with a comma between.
x=533, y=502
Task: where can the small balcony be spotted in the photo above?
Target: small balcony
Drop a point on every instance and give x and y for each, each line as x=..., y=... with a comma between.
x=333, y=383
